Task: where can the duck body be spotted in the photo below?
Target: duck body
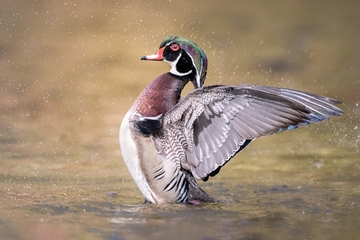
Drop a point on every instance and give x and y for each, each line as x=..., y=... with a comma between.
x=151, y=171
x=168, y=143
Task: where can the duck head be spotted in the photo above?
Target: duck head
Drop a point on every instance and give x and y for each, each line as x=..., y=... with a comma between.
x=186, y=59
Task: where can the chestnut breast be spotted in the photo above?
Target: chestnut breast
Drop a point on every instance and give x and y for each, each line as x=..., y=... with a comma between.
x=159, y=96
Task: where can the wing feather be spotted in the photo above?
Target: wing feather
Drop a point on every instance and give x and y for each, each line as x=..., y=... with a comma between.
x=214, y=123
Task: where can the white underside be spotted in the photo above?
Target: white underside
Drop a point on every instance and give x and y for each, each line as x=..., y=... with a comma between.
x=131, y=159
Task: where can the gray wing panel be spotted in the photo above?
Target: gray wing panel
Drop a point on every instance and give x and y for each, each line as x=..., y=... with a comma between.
x=218, y=121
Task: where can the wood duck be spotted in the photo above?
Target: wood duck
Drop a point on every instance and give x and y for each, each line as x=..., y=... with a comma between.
x=168, y=143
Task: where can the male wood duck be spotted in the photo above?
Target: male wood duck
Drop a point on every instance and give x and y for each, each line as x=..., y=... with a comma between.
x=167, y=143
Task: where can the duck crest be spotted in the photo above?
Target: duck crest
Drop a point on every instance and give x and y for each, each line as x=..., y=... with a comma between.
x=159, y=96
x=197, y=55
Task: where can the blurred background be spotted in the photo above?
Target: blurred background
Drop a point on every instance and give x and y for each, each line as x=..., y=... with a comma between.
x=70, y=70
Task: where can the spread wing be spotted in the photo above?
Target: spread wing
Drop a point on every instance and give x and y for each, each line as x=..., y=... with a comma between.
x=212, y=124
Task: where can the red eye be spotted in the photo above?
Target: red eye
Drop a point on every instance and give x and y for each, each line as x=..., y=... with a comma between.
x=175, y=47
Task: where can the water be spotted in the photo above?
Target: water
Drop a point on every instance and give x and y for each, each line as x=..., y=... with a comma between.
x=70, y=71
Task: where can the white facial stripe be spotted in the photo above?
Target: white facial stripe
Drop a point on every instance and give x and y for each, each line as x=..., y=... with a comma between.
x=198, y=80
x=197, y=73
x=173, y=67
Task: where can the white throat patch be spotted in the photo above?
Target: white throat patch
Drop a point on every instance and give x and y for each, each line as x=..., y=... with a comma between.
x=173, y=67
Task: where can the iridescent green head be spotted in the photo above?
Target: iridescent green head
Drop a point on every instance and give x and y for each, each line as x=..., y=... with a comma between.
x=185, y=58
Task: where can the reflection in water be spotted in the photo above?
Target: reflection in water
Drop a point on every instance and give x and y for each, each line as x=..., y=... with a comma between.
x=70, y=70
